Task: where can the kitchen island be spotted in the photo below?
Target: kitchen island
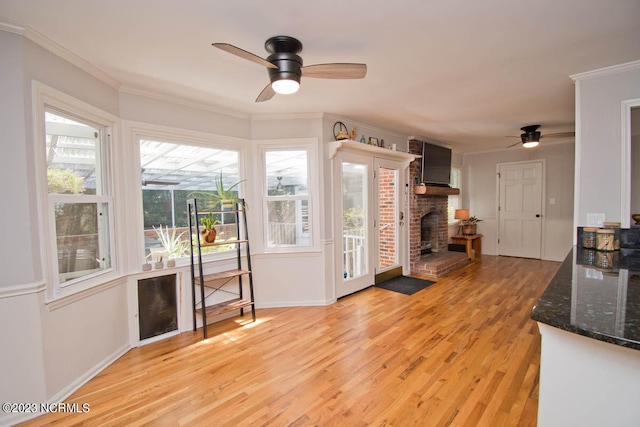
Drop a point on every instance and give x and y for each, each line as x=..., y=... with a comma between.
x=589, y=319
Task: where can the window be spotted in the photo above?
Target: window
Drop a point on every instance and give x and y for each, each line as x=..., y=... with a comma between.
x=287, y=198
x=454, y=201
x=173, y=173
x=79, y=199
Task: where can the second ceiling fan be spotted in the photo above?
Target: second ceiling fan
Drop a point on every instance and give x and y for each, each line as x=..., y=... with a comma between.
x=531, y=136
x=285, y=66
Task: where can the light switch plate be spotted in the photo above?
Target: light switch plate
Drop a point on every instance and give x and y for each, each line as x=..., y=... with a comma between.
x=595, y=219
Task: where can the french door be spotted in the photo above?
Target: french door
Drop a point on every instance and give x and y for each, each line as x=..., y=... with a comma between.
x=367, y=218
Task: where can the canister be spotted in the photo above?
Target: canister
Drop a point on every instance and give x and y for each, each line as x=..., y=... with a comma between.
x=589, y=237
x=615, y=226
x=605, y=239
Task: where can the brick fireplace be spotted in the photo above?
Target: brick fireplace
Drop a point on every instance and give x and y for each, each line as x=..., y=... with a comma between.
x=429, y=231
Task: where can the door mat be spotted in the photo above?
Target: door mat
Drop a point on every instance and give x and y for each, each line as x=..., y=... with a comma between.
x=405, y=285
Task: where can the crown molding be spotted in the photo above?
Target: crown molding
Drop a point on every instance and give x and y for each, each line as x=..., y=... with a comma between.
x=58, y=50
x=131, y=90
x=607, y=71
x=291, y=116
x=11, y=28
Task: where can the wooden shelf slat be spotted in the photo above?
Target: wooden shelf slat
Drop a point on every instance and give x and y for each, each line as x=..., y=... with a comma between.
x=222, y=307
x=227, y=274
x=228, y=242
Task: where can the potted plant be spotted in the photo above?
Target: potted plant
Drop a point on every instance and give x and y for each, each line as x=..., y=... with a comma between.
x=208, y=235
x=469, y=226
x=174, y=245
x=224, y=198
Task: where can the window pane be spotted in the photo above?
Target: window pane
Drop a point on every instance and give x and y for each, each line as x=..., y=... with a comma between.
x=286, y=172
x=82, y=237
x=173, y=173
x=73, y=156
x=288, y=223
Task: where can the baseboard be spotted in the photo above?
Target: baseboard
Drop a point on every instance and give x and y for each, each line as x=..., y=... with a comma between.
x=70, y=389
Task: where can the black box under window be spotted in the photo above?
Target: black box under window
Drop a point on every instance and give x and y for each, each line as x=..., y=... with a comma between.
x=157, y=306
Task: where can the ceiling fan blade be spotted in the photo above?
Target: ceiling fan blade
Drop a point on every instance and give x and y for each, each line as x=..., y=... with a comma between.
x=243, y=54
x=266, y=94
x=335, y=71
x=513, y=145
x=559, y=135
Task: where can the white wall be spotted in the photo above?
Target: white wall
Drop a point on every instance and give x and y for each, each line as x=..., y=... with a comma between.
x=599, y=95
x=480, y=196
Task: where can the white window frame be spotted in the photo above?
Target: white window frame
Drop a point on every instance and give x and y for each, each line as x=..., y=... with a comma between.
x=310, y=145
x=144, y=131
x=457, y=170
x=46, y=98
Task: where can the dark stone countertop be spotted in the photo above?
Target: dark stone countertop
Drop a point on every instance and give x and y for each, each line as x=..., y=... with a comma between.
x=587, y=299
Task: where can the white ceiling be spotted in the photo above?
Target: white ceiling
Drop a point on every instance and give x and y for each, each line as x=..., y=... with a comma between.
x=462, y=72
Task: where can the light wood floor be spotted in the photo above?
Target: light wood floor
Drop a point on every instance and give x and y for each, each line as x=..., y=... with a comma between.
x=462, y=352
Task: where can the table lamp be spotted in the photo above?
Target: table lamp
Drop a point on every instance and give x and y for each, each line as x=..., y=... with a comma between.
x=462, y=215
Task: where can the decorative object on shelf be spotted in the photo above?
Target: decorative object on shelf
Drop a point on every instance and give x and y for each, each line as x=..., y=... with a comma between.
x=373, y=141
x=636, y=218
x=340, y=131
x=208, y=235
x=421, y=189
x=381, y=144
x=363, y=140
x=171, y=263
x=174, y=246
x=146, y=266
x=354, y=133
x=224, y=198
x=159, y=265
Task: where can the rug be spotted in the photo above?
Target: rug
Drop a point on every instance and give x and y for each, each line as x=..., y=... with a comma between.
x=405, y=285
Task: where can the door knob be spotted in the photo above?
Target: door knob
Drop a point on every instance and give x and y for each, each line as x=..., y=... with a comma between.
x=537, y=215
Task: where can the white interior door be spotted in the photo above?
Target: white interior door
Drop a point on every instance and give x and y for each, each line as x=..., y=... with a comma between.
x=354, y=223
x=520, y=209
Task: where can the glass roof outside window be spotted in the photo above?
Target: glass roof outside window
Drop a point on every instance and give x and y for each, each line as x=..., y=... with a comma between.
x=185, y=167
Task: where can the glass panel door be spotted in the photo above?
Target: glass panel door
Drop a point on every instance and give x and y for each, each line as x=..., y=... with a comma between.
x=354, y=212
x=353, y=216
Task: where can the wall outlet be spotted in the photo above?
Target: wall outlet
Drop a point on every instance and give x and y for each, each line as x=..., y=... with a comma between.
x=595, y=219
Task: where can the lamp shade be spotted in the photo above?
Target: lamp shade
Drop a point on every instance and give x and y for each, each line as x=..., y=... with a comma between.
x=461, y=214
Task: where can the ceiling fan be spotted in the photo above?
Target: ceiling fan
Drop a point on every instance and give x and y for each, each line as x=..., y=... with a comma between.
x=285, y=66
x=531, y=136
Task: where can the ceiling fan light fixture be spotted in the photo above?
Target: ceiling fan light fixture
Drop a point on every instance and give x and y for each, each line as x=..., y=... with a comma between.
x=285, y=86
x=530, y=144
